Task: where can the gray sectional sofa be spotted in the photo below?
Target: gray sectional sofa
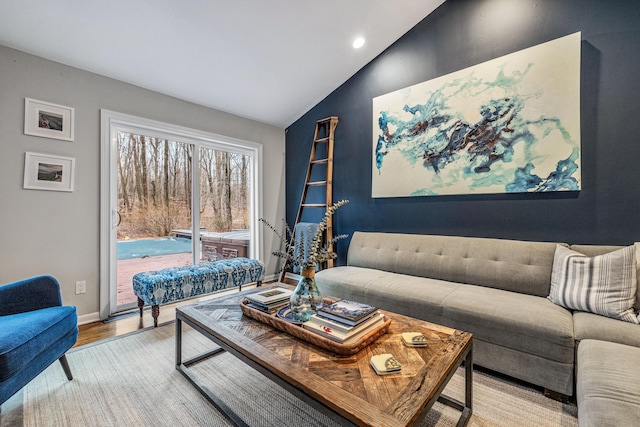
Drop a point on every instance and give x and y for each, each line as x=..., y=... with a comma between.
x=497, y=290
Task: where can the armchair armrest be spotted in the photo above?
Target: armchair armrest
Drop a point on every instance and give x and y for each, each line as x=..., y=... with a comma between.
x=29, y=294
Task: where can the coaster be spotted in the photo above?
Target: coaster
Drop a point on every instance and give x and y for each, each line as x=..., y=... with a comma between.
x=385, y=364
x=414, y=339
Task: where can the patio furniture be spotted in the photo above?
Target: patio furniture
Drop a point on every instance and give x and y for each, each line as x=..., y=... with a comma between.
x=230, y=244
x=35, y=331
x=156, y=288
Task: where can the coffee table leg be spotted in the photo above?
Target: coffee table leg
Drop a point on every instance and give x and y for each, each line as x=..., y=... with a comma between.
x=178, y=343
x=468, y=390
x=467, y=406
x=183, y=368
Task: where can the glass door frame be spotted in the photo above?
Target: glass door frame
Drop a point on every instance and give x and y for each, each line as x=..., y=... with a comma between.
x=113, y=122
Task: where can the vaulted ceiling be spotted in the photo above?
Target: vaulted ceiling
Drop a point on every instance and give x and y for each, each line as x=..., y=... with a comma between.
x=269, y=61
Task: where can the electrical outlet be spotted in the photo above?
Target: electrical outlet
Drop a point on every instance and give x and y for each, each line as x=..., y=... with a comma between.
x=81, y=287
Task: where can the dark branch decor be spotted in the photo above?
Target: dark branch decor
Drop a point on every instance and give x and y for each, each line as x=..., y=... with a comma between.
x=318, y=250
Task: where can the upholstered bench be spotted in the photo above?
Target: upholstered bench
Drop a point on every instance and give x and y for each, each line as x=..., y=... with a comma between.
x=172, y=284
x=607, y=384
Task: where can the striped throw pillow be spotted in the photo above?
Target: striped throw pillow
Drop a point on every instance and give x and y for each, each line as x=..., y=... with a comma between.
x=605, y=284
x=637, y=304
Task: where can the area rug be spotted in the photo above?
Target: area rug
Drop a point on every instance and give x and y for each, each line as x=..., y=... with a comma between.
x=132, y=381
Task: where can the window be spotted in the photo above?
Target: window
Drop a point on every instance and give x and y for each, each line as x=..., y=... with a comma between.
x=158, y=210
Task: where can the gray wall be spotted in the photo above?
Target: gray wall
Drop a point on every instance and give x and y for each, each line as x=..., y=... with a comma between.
x=57, y=233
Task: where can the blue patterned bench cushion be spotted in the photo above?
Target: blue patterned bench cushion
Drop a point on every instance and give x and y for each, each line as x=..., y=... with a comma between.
x=178, y=283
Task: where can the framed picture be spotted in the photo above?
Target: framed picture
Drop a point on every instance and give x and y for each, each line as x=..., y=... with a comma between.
x=48, y=172
x=48, y=120
x=508, y=125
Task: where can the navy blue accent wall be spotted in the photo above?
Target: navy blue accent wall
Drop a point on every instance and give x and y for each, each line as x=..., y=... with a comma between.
x=462, y=33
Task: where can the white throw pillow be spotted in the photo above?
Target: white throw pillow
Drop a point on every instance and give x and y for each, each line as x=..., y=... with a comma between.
x=605, y=284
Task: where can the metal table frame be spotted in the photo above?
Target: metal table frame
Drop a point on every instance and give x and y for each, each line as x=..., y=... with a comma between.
x=183, y=368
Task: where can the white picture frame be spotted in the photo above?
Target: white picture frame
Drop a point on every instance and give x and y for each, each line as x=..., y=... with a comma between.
x=48, y=120
x=48, y=172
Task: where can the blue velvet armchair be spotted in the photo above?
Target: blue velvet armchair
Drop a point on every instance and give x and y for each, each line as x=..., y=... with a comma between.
x=35, y=331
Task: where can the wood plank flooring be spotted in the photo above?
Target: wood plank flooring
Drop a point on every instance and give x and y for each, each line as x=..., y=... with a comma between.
x=96, y=331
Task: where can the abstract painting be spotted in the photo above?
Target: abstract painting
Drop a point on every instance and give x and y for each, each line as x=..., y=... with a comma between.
x=508, y=125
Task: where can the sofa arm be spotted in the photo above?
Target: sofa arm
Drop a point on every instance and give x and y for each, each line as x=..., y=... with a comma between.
x=29, y=294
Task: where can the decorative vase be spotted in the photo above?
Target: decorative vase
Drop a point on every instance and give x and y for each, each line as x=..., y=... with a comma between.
x=306, y=299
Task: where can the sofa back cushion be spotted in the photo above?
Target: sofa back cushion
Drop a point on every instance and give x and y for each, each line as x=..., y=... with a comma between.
x=512, y=265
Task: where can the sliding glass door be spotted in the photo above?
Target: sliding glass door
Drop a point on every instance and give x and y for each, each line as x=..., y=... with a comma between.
x=154, y=208
x=161, y=211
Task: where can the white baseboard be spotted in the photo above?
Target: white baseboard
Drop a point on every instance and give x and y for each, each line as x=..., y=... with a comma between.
x=273, y=278
x=88, y=318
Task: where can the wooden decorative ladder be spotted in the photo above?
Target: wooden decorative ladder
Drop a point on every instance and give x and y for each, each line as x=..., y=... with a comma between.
x=324, y=133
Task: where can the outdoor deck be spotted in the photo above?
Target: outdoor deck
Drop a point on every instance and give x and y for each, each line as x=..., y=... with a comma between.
x=127, y=268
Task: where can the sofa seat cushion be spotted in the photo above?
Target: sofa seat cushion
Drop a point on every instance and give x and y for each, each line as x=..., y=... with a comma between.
x=608, y=384
x=24, y=336
x=521, y=322
x=593, y=326
x=417, y=297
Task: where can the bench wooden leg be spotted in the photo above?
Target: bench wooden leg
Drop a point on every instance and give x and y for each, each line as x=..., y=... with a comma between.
x=258, y=283
x=155, y=312
x=140, y=305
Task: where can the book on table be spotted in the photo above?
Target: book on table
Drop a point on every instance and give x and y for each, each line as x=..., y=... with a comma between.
x=353, y=334
x=271, y=309
x=347, y=312
x=333, y=324
x=270, y=295
x=269, y=301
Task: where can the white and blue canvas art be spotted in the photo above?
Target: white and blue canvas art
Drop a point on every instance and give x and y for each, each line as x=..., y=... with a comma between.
x=509, y=125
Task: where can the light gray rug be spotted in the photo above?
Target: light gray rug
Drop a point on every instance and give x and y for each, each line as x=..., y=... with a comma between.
x=132, y=381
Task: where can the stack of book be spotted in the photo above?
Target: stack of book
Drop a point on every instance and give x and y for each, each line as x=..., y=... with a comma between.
x=269, y=301
x=345, y=320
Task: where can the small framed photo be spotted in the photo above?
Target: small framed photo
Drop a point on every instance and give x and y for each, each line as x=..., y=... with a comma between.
x=48, y=172
x=48, y=120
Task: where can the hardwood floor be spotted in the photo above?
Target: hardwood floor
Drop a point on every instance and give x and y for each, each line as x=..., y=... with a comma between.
x=130, y=322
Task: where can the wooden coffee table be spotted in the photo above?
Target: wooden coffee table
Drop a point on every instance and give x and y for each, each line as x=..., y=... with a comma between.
x=346, y=388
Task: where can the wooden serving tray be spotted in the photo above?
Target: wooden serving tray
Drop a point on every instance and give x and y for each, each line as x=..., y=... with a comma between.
x=343, y=349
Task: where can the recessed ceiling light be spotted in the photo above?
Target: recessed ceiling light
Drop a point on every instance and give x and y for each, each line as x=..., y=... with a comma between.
x=358, y=43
